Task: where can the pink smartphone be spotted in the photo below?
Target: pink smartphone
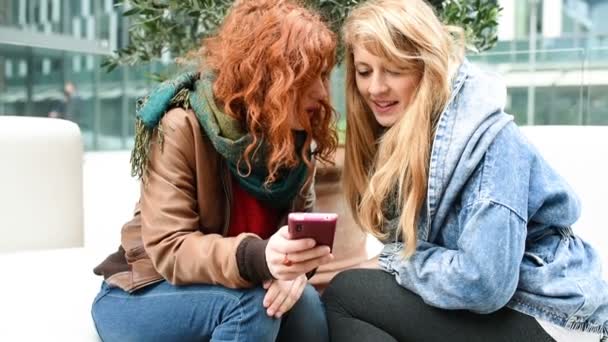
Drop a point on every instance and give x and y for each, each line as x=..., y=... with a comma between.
x=319, y=226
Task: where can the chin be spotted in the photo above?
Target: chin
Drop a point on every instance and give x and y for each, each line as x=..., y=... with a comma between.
x=386, y=121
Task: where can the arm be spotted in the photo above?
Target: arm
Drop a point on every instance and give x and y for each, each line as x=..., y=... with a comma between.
x=480, y=276
x=170, y=220
x=180, y=252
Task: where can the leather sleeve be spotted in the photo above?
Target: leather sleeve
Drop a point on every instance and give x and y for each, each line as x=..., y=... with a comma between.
x=179, y=250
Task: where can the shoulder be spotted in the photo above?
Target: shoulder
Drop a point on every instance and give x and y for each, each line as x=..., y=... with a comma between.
x=180, y=120
x=178, y=136
x=506, y=170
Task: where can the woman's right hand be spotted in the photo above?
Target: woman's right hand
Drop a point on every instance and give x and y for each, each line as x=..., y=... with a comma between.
x=302, y=253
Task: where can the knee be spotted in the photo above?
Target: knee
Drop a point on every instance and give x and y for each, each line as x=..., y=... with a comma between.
x=252, y=300
x=351, y=287
x=107, y=319
x=351, y=282
x=254, y=316
x=309, y=307
x=306, y=321
x=310, y=299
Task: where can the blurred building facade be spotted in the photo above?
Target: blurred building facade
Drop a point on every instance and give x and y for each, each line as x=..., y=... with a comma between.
x=50, y=55
x=553, y=54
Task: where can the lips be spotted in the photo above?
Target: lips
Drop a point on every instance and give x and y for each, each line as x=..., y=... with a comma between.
x=383, y=106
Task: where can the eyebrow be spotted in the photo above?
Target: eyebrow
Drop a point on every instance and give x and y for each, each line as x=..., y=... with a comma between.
x=357, y=64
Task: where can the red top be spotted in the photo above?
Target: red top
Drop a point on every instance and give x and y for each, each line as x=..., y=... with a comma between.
x=249, y=215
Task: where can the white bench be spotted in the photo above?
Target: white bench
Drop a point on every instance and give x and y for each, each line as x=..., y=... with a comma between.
x=46, y=294
x=40, y=184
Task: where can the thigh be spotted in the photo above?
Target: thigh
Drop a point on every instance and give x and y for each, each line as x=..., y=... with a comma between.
x=163, y=312
x=373, y=296
x=344, y=328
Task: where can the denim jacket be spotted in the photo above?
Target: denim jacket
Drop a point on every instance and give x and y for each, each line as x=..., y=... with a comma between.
x=496, y=227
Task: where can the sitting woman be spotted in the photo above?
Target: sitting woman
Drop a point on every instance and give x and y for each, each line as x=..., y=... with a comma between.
x=476, y=224
x=224, y=155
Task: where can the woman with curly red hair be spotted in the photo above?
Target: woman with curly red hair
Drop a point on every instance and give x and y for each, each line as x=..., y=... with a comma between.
x=224, y=155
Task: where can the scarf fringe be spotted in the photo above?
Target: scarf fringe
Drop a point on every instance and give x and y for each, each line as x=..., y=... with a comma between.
x=143, y=137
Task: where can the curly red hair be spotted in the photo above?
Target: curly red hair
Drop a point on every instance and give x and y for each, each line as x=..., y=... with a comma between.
x=264, y=54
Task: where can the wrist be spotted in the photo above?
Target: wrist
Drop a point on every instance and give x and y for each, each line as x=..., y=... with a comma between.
x=251, y=260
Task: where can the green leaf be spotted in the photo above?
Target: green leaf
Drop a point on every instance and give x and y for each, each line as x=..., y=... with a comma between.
x=132, y=11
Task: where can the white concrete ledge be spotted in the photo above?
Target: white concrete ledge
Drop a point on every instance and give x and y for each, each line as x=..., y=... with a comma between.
x=40, y=184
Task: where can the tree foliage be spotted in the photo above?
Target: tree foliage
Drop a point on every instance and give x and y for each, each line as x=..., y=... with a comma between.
x=175, y=27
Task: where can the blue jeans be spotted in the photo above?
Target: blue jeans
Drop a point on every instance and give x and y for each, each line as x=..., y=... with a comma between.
x=163, y=312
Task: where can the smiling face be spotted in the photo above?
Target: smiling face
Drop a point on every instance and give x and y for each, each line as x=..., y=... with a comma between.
x=386, y=88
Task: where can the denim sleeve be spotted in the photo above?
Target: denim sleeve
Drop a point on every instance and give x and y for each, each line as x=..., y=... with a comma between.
x=481, y=275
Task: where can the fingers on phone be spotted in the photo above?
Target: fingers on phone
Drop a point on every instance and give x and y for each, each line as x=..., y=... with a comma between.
x=310, y=254
x=284, y=232
x=294, y=246
x=300, y=261
x=309, y=265
x=304, y=264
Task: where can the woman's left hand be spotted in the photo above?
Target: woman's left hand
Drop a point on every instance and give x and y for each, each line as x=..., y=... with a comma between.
x=283, y=294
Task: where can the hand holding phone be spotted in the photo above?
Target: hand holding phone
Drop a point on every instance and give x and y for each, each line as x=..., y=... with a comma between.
x=319, y=226
x=303, y=254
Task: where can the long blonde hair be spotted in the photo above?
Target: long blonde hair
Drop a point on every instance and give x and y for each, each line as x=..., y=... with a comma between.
x=408, y=34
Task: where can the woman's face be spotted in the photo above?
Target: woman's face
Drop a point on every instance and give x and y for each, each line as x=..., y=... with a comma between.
x=310, y=100
x=386, y=89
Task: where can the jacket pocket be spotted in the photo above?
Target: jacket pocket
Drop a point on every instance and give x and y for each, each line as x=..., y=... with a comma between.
x=535, y=259
x=541, y=252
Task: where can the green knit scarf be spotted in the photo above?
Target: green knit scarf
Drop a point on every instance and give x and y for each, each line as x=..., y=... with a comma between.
x=229, y=140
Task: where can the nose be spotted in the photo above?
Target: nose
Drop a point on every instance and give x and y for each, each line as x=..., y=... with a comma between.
x=377, y=84
x=319, y=89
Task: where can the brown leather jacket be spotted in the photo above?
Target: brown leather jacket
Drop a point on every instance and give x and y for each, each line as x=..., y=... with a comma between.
x=178, y=231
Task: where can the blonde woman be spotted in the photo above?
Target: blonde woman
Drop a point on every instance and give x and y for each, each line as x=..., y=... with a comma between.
x=476, y=225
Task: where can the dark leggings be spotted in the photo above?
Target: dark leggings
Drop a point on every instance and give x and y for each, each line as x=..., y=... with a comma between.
x=369, y=305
